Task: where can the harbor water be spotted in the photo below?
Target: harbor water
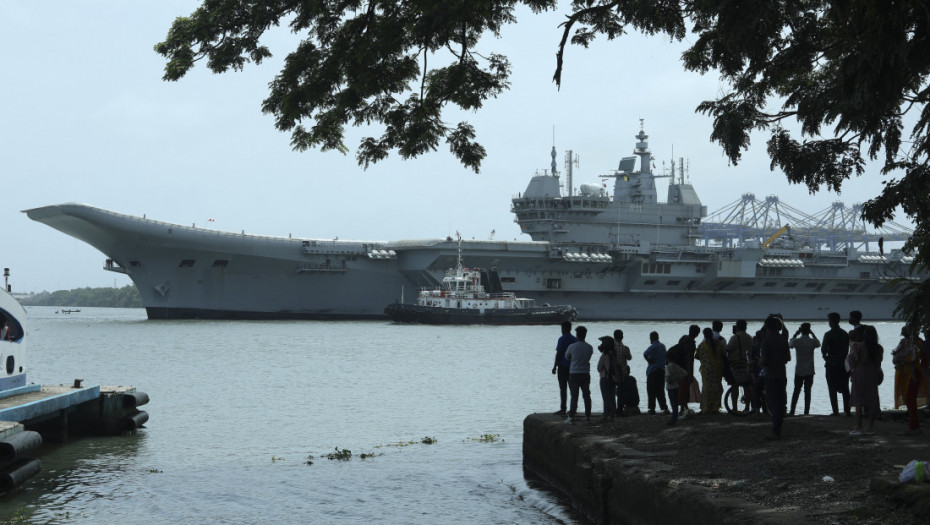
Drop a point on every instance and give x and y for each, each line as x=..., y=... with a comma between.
x=244, y=414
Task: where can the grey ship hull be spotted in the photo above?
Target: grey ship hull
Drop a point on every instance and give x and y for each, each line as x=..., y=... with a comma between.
x=187, y=272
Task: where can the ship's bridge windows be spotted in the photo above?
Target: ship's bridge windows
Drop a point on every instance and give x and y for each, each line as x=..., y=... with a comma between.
x=553, y=284
x=657, y=268
x=865, y=275
x=219, y=263
x=186, y=263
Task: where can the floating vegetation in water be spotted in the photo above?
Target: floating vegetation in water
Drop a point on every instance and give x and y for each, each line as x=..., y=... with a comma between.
x=341, y=455
x=276, y=458
x=398, y=444
x=488, y=438
x=154, y=471
x=22, y=515
x=425, y=441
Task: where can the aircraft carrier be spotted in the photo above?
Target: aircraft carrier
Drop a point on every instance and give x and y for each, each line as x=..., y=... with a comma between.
x=614, y=255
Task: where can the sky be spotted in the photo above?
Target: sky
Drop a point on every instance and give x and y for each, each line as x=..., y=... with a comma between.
x=85, y=117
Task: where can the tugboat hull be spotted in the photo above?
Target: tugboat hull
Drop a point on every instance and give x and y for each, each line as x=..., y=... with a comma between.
x=416, y=314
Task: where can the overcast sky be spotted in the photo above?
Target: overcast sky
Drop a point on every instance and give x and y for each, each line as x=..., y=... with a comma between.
x=85, y=117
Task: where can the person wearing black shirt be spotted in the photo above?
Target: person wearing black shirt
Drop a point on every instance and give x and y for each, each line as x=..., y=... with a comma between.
x=835, y=348
x=775, y=355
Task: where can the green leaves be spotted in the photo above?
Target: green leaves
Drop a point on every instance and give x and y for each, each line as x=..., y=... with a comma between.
x=388, y=63
x=851, y=74
x=816, y=163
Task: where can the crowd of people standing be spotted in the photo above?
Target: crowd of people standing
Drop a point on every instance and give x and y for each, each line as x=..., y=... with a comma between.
x=755, y=364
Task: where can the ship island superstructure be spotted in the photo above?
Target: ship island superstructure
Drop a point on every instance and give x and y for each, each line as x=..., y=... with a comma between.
x=620, y=255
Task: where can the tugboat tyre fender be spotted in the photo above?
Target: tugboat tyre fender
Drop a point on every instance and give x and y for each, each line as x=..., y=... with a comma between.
x=136, y=420
x=18, y=444
x=135, y=399
x=17, y=473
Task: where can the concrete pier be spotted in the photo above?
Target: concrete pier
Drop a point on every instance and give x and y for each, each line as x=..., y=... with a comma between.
x=33, y=414
x=720, y=469
x=57, y=411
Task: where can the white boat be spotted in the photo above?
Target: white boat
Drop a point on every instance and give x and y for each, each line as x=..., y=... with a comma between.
x=12, y=343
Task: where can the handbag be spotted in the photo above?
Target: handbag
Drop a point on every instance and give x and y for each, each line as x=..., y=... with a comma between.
x=694, y=395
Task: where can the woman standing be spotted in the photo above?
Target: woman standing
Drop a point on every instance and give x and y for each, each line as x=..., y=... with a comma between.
x=605, y=366
x=910, y=384
x=864, y=362
x=710, y=353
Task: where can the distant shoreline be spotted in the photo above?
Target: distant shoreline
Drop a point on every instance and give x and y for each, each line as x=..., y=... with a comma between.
x=125, y=297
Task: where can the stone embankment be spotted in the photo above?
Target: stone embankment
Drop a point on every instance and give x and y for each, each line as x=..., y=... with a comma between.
x=720, y=469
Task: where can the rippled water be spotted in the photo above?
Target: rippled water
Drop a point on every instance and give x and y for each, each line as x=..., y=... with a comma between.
x=238, y=407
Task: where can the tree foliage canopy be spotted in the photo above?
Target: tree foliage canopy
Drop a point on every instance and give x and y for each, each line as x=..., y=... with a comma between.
x=850, y=75
x=398, y=64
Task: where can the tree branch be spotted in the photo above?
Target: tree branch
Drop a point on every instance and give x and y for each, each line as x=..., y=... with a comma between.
x=574, y=17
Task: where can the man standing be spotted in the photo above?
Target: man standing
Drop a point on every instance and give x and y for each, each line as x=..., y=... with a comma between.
x=717, y=327
x=579, y=374
x=655, y=374
x=804, y=342
x=561, y=364
x=624, y=357
x=835, y=348
x=775, y=355
x=688, y=343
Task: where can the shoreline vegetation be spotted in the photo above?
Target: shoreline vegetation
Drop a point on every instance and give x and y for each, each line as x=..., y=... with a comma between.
x=125, y=297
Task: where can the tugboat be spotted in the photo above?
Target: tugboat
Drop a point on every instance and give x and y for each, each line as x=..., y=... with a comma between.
x=475, y=296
